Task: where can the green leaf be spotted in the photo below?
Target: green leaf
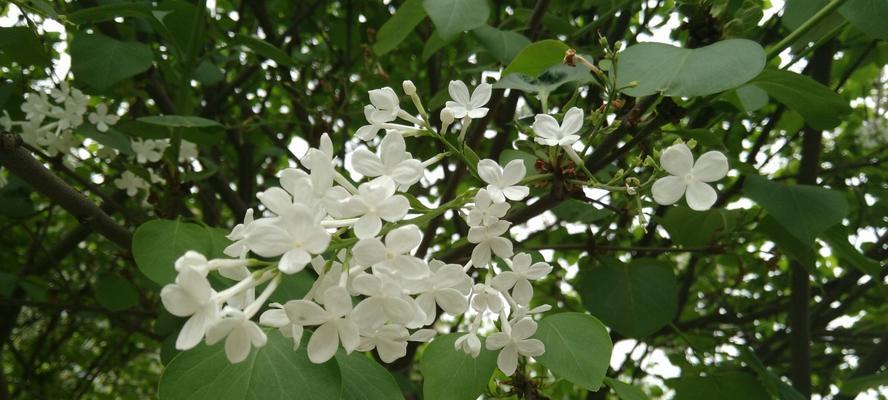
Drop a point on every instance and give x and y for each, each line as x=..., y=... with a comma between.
x=797, y=12
x=274, y=371
x=805, y=211
x=549, y=81
x=110, y=138
x=578, y=348
x=399, y=26
x=536, y=57
x=503, y=45
x=625, y=390
x=821, y=107
x=722, y=386
x=116, y=294
x=691, y=228
x=573, y=210
x=180, y=121
x=158, y=243
x=100, y=61
x=452, y=17
x=675, y=71
x=110, y=11
x=433, y=44
x=862, y=383
x=868, y=16
x=264, y=49
x=752, y=97
x=20, y=45
x=185, y=28
x=365, y=379
x=802, y=252
x=837, y=238
x=636, y=299
x=452, y=374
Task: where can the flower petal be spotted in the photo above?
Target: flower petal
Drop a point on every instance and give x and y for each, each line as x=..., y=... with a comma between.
x=323, y=343
x=367, y=163
x=711, y=166
x=668, y=190
x=677, y=159
x=237, y=345
x=572, y=122
x=369, y=251
x=481, y=95
x=490, y=172
x=404, y=239
x=459, y=92
x=513, y=172
x=507, y=360
x=700, y=196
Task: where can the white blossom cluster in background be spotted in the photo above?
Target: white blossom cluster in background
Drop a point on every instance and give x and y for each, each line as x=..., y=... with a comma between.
x=52, y=119
x=358, y=234
x=873, y=134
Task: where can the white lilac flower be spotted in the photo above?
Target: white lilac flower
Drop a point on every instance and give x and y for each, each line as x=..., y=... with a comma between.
x=101, y=118
x=489, y=239
x=375, y=203
x=485, y=211
x=131, y=183
x=485, y=297
x=392, y=166
x=469, y=344
x=61, y=143
x=550, y=133
x=296, y=237
x=515, y=341
x=240, y=334
x=448, y=288
x=393, y=257
x=187, y=151
x=239, y=237
x=191, y=296
x=384, y=109
x=520, y=276
x=502, y=183
x=463, y=105
x=688, y=178
x=334, y=320
x=390, y=341
x=148, y=150
x=276, y=317
x=384, y=301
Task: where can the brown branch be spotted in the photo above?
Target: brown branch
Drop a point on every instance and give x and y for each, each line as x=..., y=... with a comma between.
x=20, y=162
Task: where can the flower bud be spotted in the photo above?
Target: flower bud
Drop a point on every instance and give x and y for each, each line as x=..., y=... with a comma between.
x=446, y=116
x=409, y=87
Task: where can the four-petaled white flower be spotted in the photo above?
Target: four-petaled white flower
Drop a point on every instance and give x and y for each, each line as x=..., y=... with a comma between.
x=393, y=166
x=191, y=296
x=688, y=178
x=149, y=150
x=514, y=341
x=463, y=105
x=488, y=239
x=384, y=109
x=334, y=320
x=469, y=344
x=550, y=133
x=393, y=257
x=296, y=236
x=448, y=288
x=520, y=276
x=502, y=183
x=383, y=302
x=101, y=118
x=277, y=317
x=131, y=183
x=390, y=341
x=485, y=211
x=486, y=298
x=375, y=203
x=240, y=334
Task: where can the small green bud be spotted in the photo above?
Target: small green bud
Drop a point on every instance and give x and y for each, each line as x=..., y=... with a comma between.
x=692, y=143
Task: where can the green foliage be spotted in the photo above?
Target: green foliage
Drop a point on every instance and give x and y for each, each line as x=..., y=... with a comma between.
x=450, y=374
x=804, y=211
x=116, y=293
x=503, y=45
x=578, y=348
x=636, y=299
x=625, y=391
x=399, y=26
x=691, y=228
x=452, y=17
x=821, y=107
x=726, y=386
x=365, y=379
x=205, y=373
x=536, y=58
x=20, y=45
x=100, y=61
x=675, y=71
x=158, y=243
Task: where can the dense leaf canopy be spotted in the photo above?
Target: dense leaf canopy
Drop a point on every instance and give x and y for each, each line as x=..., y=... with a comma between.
x=777, y=291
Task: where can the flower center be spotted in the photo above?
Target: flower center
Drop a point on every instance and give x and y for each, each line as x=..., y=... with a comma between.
x=688, y=178
x=297, y=244
x=390, y=255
